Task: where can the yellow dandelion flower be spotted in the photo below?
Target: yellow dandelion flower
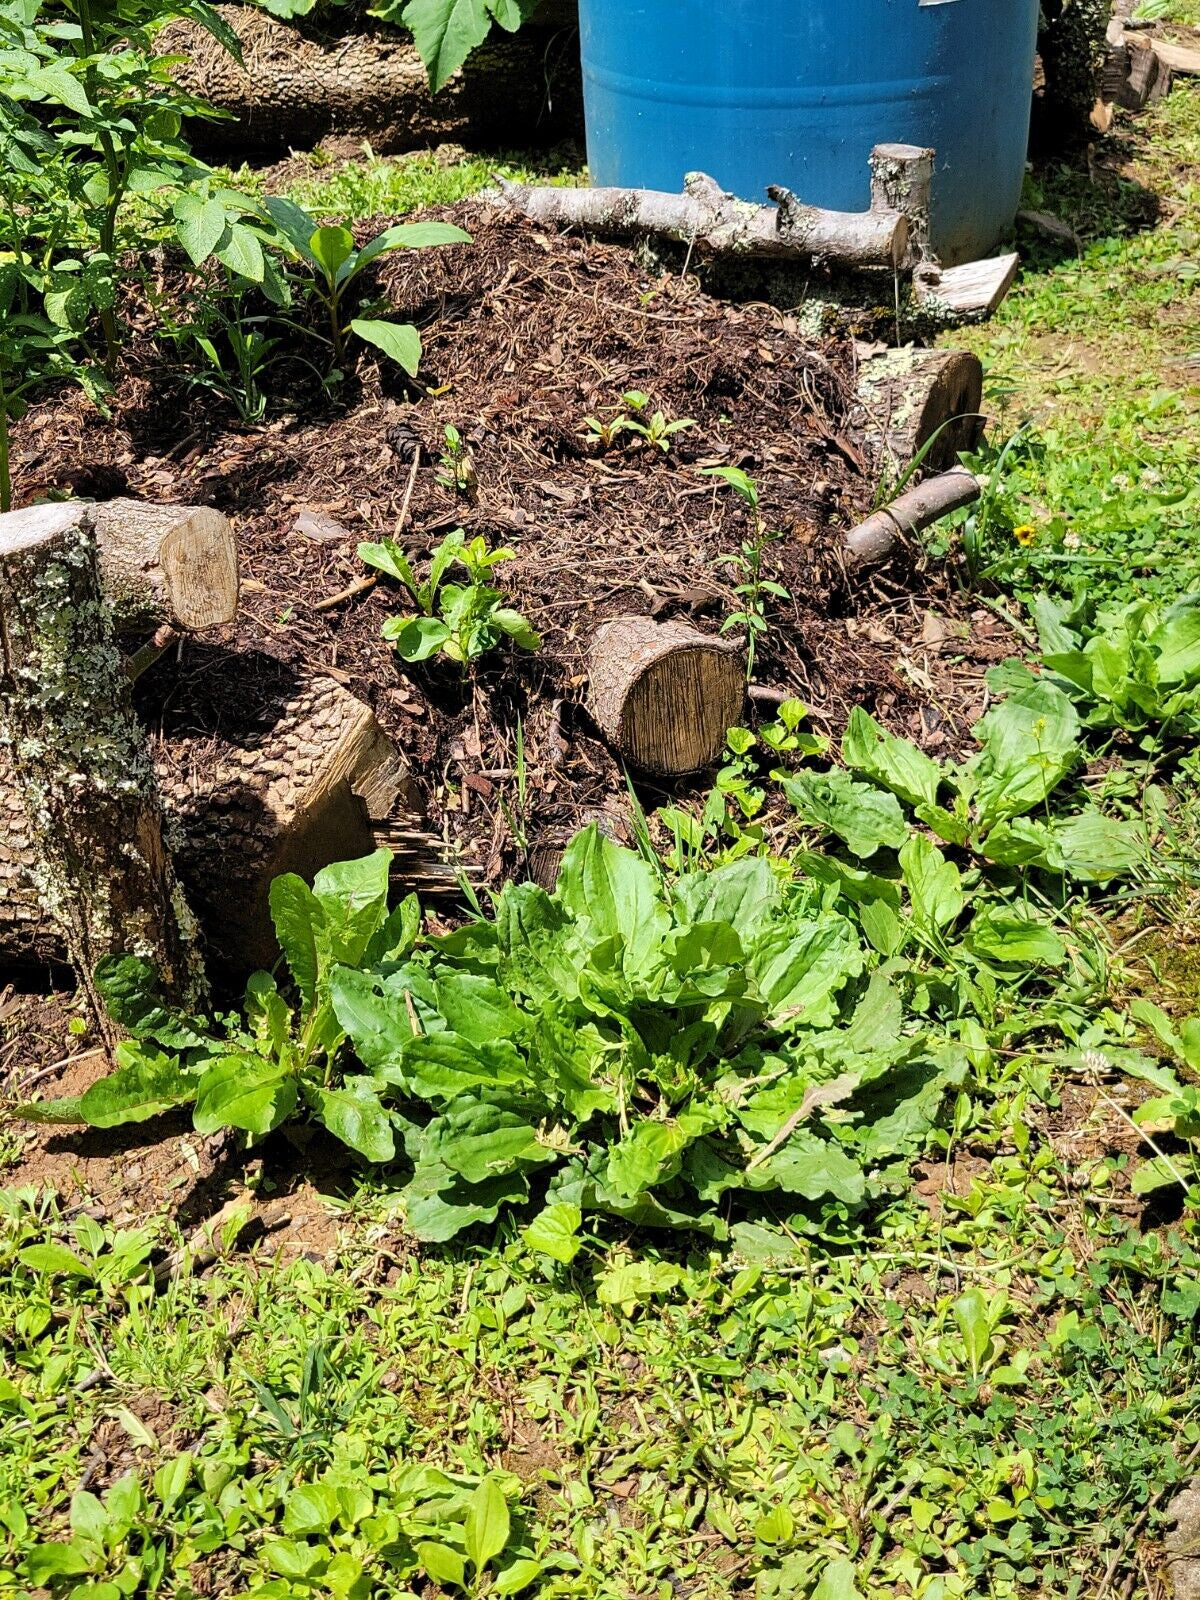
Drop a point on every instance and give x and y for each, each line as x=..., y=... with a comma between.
x=1025, y=534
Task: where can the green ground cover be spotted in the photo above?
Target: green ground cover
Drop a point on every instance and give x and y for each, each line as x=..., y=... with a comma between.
x=985, y=1384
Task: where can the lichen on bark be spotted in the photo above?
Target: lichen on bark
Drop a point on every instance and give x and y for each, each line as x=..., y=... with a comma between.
x=81, y=757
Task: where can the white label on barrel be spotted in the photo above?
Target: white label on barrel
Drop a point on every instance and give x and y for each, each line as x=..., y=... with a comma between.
x=936, y=2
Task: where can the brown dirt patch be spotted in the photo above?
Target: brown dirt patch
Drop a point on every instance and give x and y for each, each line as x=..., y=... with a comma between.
x=525, y=336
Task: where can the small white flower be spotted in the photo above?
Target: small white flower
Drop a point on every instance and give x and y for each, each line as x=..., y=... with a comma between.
x=1071, y=541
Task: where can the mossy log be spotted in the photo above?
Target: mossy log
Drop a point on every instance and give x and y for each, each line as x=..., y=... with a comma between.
x=303, y=82
x=96, y=860
x=316, y=781
x=663, y=693
x=911, y=400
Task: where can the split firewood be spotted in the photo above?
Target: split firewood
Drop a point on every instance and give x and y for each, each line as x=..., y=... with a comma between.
x=663, y=693
x=908, y=400
x=969, y=293
x=317, y=782
x=85, y=788
x=1177, y=57
x=875, y=539
x=708, y=219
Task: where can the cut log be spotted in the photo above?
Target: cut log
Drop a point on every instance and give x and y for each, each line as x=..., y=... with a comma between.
x=875, y=539
x=316, y=781
x=1148, y=77
x=1179, y=58
x=969, y=293
x=176, y=565
x=663, y=693
x=902, y=180
x=305, y=80
x=172, y=566
x=83, y=771
x=911, y=399
x=708, y=219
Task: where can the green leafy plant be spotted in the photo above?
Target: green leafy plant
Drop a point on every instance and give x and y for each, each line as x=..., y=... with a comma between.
x=445, y=32
x=460, y=621
x=330, y=265
x=754, y=589
x=458, y=469
x=1135, y=668
x=627, y=418
x=282, y=1057
x=103, y=124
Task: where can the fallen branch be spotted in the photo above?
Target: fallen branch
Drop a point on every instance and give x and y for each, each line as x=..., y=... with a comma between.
x=707, y=218
x=875, y=539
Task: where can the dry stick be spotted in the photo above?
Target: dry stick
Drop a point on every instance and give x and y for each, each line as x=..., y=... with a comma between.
x=705, y=216
x=359, y=586
x=44, y=1072
x=362, y=585
x=875, y=539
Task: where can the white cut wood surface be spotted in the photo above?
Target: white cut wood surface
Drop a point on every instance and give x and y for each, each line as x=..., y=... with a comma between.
x=973, y=290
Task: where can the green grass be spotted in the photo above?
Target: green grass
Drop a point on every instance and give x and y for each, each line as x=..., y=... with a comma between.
x=1096, y=355
x=388, y=185
x=977, y=1405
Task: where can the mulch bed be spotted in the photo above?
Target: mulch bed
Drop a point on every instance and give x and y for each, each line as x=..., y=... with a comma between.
x=525, y=336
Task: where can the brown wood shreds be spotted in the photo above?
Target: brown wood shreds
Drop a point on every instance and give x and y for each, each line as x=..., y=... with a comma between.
x=316, y=781
x=664, y=693
x=82, y=769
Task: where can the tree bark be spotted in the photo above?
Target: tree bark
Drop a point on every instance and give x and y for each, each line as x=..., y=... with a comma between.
x=707, y=218
x=322, y=782
x=304, y=82
x=176, y=565
x=909, y=399
x=663, y=693
x=81, y=762
x=875, y=539
x=902, y=180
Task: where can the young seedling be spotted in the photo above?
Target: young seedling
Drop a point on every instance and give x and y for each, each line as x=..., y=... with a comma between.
x=458, y=469
x=656, y=431
x=332, y=264
x=459, y=621
x=748, y=564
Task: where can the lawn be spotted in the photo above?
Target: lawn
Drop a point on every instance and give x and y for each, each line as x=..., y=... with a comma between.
x=954, y=1356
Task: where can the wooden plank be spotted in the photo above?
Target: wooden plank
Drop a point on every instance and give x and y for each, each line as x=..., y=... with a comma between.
x=1177, y=56
x=972, y=290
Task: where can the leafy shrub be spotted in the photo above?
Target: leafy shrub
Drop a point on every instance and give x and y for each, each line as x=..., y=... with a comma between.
x=281, y=1056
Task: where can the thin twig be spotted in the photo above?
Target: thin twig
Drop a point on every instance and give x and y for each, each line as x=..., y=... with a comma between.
x=359, y=586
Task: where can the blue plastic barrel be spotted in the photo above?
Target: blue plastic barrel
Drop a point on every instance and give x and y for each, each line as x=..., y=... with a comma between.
x=798, y=91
